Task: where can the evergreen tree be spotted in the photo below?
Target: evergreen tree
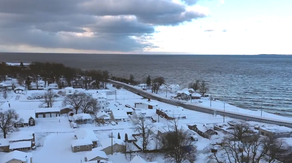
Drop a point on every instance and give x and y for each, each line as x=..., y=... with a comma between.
x=148, y=81
x=119, y=136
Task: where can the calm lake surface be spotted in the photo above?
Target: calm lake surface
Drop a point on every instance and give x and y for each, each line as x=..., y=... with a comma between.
x=250, y=82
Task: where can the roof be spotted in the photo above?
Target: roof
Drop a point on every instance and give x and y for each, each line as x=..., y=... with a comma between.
x=120, y=114
x=85, y=134
x=26, y=114
x=81, y=142
x=107, y=142
x=21, y=135
x=18, y=155
x=138, y=159
x=20, y=144
x=4, y=142
x=47, y=110
x=82, y=116
x=276, y=129
x=96, y=153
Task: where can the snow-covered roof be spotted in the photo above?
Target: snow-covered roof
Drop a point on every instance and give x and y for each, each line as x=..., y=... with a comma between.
x=146, y=102
x=276, y=129
x=99, y=95
x=138, y=159
x=19, y=88
x=20, y=144
x=85, y=134
x=21, y=135
x=69, y=88
x=107, y=142
x=82, y=116
x=80, y=142
x=17, y=155
x=102, y=114
x=26, y=114
x=120, y=114
x=4, y=142
x=45, y=110
x=96, y=153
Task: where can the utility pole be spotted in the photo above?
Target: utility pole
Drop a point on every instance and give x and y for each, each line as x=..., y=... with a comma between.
x=115, y=95
x=112, y=143
x=261, y=109
x=210, y=101
x=224, y=112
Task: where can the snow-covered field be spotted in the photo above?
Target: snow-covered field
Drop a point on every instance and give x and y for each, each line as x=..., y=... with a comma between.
x=54, y=135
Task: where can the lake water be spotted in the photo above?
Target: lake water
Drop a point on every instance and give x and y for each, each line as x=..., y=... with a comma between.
x=251, y=82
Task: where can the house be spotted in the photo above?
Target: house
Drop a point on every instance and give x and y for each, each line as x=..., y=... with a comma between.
x=275, y=131
x=52, y=86
x=86, y=134
x=19, y=90
x=47, y=112
x=103, y=117
x=17, y=157
x=26, y=138
x=146, y=105
x=82, y=118
x=112, y=145
x=69, y=90
x=21, y=146
x=120, y=115
x=95, y=155
x=79, y=145
x=138, y=159
x=4, y=145
x=66, y=110
x=102, y=100
x=28, y=117
x=176, y=113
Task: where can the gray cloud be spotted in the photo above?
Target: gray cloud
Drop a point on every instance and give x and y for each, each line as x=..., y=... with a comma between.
x=190, y=2
x=109, y=25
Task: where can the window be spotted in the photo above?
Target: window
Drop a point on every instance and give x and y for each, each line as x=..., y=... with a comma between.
x=78, y=147
x=87, y=147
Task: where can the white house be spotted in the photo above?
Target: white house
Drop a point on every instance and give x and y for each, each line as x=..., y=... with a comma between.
x=146, y=105
x=86, y=134
x=138, y=159
x=82, y=118
x=69, y=90
x=52, y=86
x=95, y=155
x=120, y=115
x=17, y=157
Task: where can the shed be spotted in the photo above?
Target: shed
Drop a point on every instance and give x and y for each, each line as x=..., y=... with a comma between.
x=47, y=112
x=17, y=157
x=95, y=155
x=79, y=145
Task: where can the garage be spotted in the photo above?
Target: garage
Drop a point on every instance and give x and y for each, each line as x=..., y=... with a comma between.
x=40, y=116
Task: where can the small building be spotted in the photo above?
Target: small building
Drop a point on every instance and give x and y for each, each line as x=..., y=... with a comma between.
x=120, y=115
x=95, y=155
x=275, y=131
x=69, y=90
x=86, y=134
x=52, y=86
x=66, y=110
x=21, y=146
x=4, y=145
x=47, y=112
x=82, y=118
x=28, y=117
x=146, y=105
x=138, y=159
x=20, y=136
x=17, y=157
x=117, y=146
x=79, y=145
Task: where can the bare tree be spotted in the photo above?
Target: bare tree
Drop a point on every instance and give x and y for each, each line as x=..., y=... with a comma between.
x=203, y=88
x=245, y=146
x=89, y=104
x=49, y=99
x=8, y=119
x=177, y=145
x=81, y=101
x=144, y=127
x=195, y=85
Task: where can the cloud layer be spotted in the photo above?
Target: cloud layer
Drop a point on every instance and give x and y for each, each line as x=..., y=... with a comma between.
x=102, y=25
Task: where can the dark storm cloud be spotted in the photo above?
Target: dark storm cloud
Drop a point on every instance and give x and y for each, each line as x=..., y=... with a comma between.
x=110, y=25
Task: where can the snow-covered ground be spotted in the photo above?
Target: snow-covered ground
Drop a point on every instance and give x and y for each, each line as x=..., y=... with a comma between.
x=54, y=135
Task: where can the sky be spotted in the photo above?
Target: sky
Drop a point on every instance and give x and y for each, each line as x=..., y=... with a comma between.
x=146, y=26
